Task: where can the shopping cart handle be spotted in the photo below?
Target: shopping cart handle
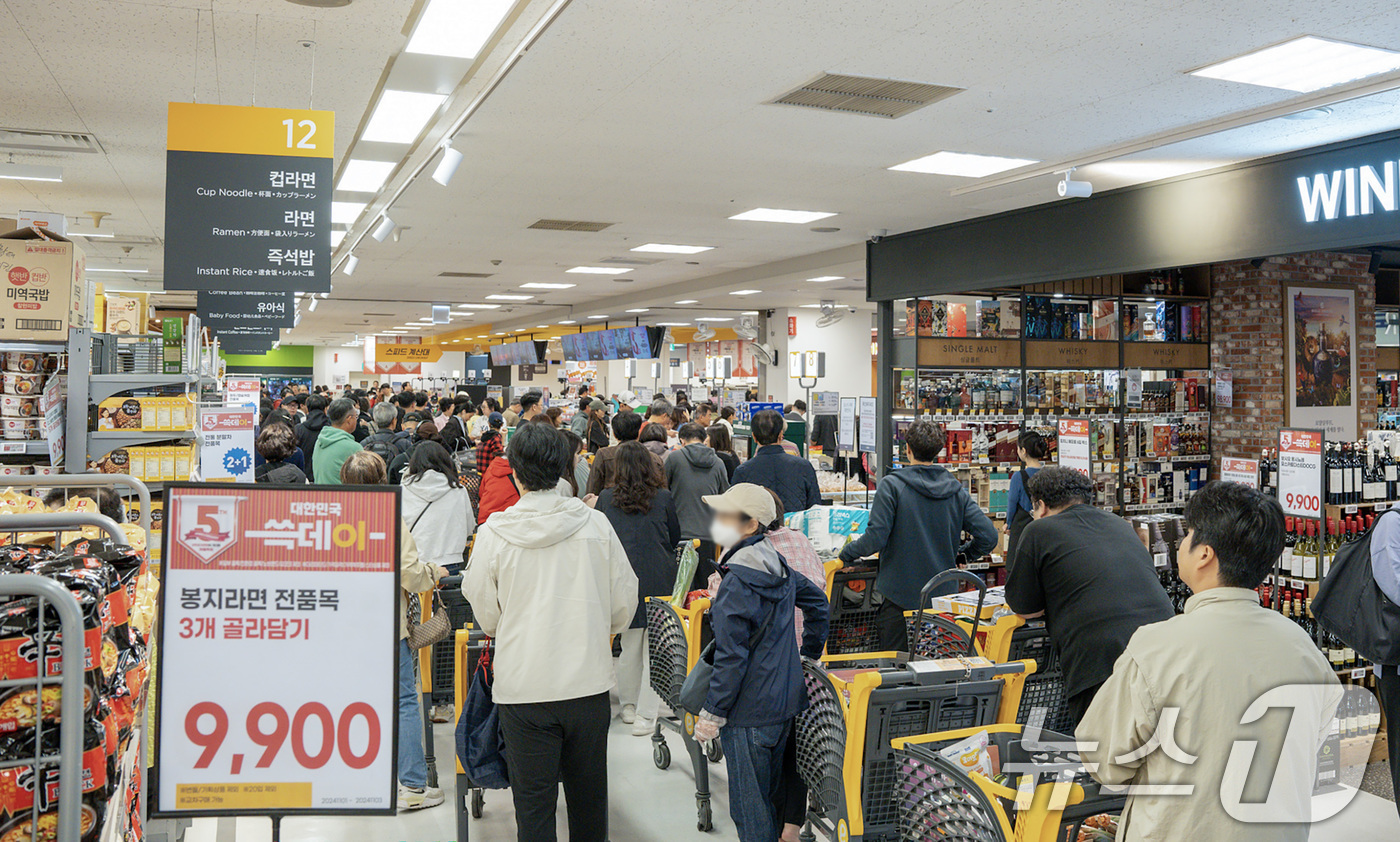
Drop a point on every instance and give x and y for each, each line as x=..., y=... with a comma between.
x=925, y=599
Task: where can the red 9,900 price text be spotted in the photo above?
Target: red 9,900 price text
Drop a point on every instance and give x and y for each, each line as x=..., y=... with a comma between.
x=268, y=725
x=1302, y=502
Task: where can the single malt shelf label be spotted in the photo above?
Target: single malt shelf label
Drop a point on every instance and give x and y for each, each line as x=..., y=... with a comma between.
x=970, y=353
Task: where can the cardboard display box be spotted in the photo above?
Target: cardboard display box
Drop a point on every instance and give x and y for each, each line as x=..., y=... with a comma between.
x=43, y=276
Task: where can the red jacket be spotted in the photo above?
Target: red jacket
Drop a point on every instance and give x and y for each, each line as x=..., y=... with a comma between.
x=497, y=491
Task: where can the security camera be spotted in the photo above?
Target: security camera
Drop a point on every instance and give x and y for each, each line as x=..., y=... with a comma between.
x=495, y=263
x=1068, y=188
x=851, y=309
x=563, y=378
x=879, y=234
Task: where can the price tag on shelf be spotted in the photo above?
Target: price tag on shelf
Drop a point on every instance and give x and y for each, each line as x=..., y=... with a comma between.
x=265, y=591
x=11, y=448
x=1359, y=673
x=1242, y=471
x=1300, y=472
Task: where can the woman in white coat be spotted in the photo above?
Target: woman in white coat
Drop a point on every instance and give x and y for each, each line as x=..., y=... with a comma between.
x=436, y=506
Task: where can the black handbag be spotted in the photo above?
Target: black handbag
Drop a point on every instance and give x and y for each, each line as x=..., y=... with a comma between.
x=697, y=683
x=1350, y=604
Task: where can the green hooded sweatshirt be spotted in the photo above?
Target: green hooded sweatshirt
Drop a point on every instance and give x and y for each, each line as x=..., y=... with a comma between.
x=333, y=447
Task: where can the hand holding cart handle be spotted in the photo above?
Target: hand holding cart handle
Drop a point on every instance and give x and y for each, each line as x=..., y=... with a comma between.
x=926, y=598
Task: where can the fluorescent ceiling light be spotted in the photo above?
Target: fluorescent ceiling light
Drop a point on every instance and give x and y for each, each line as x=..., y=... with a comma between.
x=336, y=238
x=713, y=319
x=793, y=217
x=824, y=279
x=749, y=313
x=120, y=270
x=810, y=306
x=640, y=310
x=480, y=306
x=746, y=292
x=962, y=164
x=689, y=301
x=456, y=28
x=365, y=176
x=667, y=248
x=501, y=296
x=345, y=213
x=673, y=324
x=464, y=315
x=1304, y=64
x=541, y=327
x=30, y=172
x=91, y=235
x=604, y=316
x=568, y=321
x=399, y=116
x=499, y=333
x=541, y=285
x=598, y=270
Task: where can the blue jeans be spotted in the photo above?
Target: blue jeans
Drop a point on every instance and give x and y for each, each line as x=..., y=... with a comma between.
x=754, y=760
x=413, y=765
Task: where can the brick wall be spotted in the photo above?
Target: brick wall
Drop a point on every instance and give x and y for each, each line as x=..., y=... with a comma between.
x=1247, y=322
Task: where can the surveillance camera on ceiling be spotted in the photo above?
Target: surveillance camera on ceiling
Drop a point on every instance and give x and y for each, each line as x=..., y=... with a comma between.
x=1068, y=188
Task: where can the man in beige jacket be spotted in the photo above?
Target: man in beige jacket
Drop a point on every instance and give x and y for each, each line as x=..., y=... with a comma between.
x=1196, y=702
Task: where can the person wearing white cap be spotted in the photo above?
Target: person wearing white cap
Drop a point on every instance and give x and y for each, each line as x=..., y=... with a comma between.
x=627, y=401
x=757, y=687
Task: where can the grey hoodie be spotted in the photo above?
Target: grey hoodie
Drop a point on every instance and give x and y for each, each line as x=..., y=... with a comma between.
x=692, y=471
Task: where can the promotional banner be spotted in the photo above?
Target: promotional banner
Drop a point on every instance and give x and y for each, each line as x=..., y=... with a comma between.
x=395, y=353
x=868, y=418
x=52, y=408
x=226, y=443
x=825, y=403
x=278, y=651
x=1074, y=446
x=242, y=391
x=846, y=426
x=1319, y=328
x=248, y=198
x=1242, y=471
x=227, y=310
x=1300, y=472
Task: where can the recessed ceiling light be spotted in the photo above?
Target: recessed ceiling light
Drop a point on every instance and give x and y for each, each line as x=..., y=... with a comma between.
x=480, y=306
x=598, y=270
x=823, y=279
x=464, y=315
x=640, y=310
x=541, y=327
x=120, y=270
x=29, y=172
x=542, y=285
x=456, y=29
x=673, y=324
x=345, y=213
x=749, y=313
x=794, y=217
x=604, y=316
x=365, y=176
x=336, y=238
x=481, y=336
x=713, y=319
x=689, y=301
x=568, y=321
x=502, y=296
x=499, y=333
x=399, y=116
x=1304, y=64
x=810, y=306
x=91, y=235
x=746, y=292
x=668, y=248
x=962, y=164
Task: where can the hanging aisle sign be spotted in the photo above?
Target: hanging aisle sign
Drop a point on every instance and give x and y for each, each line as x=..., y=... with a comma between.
x=1073, y=444
x=248, y=198
x=1300, y=472
x=278, y=651
x=226, y=311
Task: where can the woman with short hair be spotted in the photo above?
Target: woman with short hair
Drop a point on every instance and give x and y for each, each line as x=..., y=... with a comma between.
x=276, y=444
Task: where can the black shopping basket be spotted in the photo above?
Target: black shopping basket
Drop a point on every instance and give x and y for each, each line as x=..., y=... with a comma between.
x=851, y=592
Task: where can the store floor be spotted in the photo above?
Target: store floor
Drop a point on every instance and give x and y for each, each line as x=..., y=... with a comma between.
x=646, y=805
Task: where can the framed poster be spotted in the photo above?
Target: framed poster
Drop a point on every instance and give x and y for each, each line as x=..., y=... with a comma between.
x=279, y=613
x=1320, y=343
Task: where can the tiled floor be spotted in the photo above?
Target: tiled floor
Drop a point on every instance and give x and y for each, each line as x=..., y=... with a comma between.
x=648, y=805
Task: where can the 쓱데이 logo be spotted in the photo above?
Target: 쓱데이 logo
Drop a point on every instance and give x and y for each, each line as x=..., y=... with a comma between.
x=207, y=525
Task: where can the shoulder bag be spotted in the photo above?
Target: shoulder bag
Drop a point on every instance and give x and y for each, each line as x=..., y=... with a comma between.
x=1350, y=604
x=697, y=683
x=438, y=626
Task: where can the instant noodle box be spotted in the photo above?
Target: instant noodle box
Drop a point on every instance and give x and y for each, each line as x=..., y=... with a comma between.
x=45, y=289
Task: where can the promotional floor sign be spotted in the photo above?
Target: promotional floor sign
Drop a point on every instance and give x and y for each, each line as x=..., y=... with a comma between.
x=226, y=443
x=278, y=651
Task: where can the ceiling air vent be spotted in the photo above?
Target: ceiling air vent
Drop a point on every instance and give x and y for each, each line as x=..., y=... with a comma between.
x=630, y=261
x=570, y=225
x=29, y=140
x=864, y=95
x=464, y=274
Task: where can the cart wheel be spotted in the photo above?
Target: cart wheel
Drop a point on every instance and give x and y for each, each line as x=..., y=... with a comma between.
x=661, y=755
x=714, y=752
x=478, y=803
x=704, y=822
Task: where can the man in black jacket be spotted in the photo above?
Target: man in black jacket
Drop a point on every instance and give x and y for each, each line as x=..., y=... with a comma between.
x=388, y=443
x=792, y=477
x=454, y=430
x=310, y=429
x=916, y=525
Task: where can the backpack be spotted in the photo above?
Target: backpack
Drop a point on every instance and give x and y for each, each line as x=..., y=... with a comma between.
x=383, y=447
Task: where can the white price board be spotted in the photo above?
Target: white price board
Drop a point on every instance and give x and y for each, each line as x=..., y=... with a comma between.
x=1073, y=444
x=241, y=391
x=868, y=420
x=825, y=403
x=846, y=425
x=278, y=651
x=1132, y=387
x=1242, y=471
x=1224, y=388
x=226, y=443
x=1300, y=472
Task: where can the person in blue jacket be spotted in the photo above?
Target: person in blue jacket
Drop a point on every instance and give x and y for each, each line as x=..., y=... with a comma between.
x=916, y=525
x=757, y=687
